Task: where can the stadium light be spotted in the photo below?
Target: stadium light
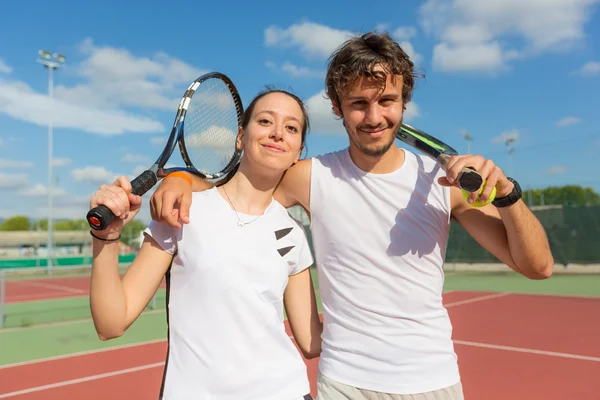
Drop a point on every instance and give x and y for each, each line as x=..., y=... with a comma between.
x=468, y=138
x=51, y=61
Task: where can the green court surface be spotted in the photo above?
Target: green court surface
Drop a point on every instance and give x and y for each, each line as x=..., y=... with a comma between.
x=63, y=326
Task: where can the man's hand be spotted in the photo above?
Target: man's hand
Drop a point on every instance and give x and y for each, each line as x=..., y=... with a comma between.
x=171, y=202
x=492, y=176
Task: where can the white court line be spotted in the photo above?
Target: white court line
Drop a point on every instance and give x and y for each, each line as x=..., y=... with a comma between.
x=58, y=287
x=529, y=351
x=82, y=353
x=477, y=299
x=81, y=380
x=159, y=364
x=68, y=322
x=33, y=297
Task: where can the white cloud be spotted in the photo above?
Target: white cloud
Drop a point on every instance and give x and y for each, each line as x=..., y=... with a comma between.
x=113, y=83
x=4, y=163
x=567, y=121
x=317, y=41
x=314, y=40
x=512, y=135
x=13, y=181
x=556, y=170
x=295, y=71
x=61, y=162
x=591, y=68
x=540, y=25
x=96, y=175
x=39, y=190
x=19, y=101
x=323, y=121
x=116, y=78
x=404, y=32
x=135, y=158
x=4, y=68
x=469, y=57
x=158, y=141
x=403, y=35
x=411, y=112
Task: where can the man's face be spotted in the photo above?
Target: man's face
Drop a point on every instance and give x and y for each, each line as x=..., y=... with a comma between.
x=372, y=113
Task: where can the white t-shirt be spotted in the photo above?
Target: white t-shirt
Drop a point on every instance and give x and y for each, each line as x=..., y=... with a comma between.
x=227, y=339
x=380, y=242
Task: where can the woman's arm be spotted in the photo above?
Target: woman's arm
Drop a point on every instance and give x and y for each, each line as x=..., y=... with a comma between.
x=115, y=303
x=301, y=307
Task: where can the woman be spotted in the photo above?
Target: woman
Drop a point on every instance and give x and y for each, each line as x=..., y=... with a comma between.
x=230, y=271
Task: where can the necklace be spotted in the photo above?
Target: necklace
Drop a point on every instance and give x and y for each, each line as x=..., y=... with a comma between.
x=240, y=223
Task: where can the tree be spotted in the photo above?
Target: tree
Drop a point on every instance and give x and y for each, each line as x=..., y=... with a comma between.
x=17, y=223
x=563, y=195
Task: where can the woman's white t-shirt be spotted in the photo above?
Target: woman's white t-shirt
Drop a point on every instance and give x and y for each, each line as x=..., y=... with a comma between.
x=225, y=303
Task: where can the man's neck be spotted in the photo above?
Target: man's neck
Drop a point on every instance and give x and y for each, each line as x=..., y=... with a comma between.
x=249, y=195
x=388, y=162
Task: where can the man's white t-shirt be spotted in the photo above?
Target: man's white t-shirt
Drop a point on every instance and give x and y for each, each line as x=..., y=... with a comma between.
x=380, y=242
x=227, y=339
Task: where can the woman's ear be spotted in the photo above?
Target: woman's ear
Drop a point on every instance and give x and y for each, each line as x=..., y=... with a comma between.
x=239, y=144
x=299, y=154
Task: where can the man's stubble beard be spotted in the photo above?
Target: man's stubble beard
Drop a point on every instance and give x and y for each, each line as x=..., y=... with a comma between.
x=370, y=151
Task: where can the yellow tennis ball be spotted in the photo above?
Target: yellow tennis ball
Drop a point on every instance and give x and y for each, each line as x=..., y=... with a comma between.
x=478, y=202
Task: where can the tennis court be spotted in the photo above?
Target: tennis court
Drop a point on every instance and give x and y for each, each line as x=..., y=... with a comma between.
x=515, y=338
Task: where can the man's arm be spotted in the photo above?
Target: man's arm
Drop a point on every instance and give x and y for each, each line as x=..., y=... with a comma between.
x=513, y=234
x=294, y=187
x=172, y=199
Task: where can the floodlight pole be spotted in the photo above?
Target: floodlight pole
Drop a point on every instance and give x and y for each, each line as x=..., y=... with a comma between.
x=511, y=149
x=51, y=62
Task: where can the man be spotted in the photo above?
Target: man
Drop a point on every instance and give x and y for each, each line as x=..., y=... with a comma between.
x=380, y=221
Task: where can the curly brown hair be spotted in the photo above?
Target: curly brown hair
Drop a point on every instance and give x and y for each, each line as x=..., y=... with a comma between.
x=358, y=57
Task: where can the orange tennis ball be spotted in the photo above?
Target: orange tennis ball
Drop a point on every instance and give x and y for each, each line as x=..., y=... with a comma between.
x=478, y=202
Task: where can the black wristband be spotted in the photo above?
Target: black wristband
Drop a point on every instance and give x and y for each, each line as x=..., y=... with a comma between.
x=105, y=240
x=511, y=198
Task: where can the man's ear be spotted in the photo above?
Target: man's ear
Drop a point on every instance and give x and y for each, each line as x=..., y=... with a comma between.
x=336, y=108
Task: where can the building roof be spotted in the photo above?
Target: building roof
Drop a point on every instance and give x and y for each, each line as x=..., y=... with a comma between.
x=39, y=238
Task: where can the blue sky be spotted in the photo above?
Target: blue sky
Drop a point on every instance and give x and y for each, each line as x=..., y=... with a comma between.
x=495, y=69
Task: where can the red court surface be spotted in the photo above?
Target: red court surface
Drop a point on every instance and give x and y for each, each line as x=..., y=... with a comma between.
x=509, y=346
x=47, y=288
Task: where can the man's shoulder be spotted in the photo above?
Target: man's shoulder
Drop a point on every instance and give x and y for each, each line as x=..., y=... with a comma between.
x=425, y=163
x=337, y=154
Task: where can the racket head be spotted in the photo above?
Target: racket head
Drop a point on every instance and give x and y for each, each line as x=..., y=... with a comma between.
x=210, y=119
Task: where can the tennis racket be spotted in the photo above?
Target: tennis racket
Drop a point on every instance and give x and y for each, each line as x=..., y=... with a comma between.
x=205, y=129
x=468, y=178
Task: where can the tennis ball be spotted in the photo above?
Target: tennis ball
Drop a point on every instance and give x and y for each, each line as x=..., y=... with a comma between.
x=478, y=202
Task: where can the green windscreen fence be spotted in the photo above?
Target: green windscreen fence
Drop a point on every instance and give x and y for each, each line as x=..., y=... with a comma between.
x=573, y=233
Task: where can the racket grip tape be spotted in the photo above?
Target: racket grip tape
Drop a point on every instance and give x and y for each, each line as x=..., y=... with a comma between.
x=100, y=217
x=468, y=179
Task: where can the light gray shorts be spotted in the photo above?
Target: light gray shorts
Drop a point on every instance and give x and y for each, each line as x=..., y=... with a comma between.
x=328, y=389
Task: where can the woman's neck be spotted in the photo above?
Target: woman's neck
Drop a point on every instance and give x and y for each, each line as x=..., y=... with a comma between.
x=249, y=194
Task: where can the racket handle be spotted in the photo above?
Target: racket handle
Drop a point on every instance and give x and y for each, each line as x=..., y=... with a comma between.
x=101, y=216
x=468, y=178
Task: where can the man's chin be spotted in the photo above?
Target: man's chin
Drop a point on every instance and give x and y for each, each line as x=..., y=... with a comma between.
x=374, y=149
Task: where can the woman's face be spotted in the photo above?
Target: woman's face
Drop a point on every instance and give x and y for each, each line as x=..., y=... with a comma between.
x=272, y=141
